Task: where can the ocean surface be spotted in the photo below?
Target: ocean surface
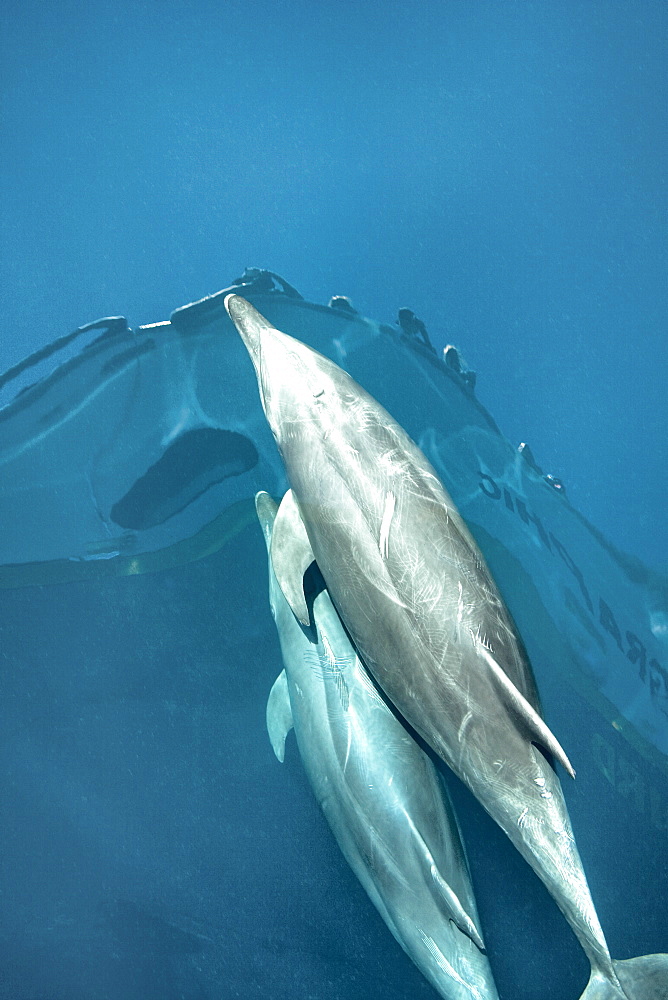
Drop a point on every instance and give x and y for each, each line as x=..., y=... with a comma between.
x=499, y=168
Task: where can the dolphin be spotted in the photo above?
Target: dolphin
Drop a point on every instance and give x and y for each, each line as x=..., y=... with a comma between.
x=424, y=613
x=380, y=793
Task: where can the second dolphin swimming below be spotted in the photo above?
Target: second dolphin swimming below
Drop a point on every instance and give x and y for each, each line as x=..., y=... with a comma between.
x=380, y=793
x=422, y=609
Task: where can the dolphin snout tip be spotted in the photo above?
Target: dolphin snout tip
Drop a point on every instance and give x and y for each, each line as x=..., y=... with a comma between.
x=239, y=310
x=248, y=321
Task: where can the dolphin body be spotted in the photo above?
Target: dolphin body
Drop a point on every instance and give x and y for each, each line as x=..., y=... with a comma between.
x=380, y=793
x=420, y=605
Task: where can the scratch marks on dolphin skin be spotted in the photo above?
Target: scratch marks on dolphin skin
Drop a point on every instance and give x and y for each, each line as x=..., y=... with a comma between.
x=328, y=665
x=366, y=684
x=464, y=726
x=446, y=966
x=545, y=793
x=481, y=640
x=329, y=653
x=460, y=603
x=388, y=514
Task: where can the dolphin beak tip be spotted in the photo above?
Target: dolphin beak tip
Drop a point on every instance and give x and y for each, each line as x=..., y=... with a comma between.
x=247, y=321
x=229, y=301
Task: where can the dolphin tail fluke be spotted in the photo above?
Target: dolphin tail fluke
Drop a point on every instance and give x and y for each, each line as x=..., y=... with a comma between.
x=644, y=978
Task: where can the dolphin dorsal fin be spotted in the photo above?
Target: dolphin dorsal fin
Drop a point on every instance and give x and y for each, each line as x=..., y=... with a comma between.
x=291, y=555
x=535, y=726
x=279, y=715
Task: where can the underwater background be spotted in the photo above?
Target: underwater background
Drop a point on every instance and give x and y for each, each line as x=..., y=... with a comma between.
x=498, y=167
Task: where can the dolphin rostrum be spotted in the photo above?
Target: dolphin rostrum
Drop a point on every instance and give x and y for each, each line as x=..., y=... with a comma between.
x=380, y=793
x=420, y=605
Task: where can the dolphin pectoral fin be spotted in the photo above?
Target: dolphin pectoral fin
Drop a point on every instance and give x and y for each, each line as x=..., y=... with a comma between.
x=536, y=728
x=455, y=910
x=279, y=715
x=291, y=555
x=447, y=897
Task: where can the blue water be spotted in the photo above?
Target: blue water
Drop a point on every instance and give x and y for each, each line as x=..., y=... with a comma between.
x=500, y=168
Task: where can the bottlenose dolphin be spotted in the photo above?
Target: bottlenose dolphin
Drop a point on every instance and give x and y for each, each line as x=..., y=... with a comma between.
x=420, y=605
x=380, y=793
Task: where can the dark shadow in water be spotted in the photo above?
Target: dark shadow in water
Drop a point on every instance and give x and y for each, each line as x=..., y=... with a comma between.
x=194, y=462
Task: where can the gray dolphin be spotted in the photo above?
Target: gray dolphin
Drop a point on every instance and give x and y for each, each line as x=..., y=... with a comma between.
x=414, y=592
x=380, y=793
